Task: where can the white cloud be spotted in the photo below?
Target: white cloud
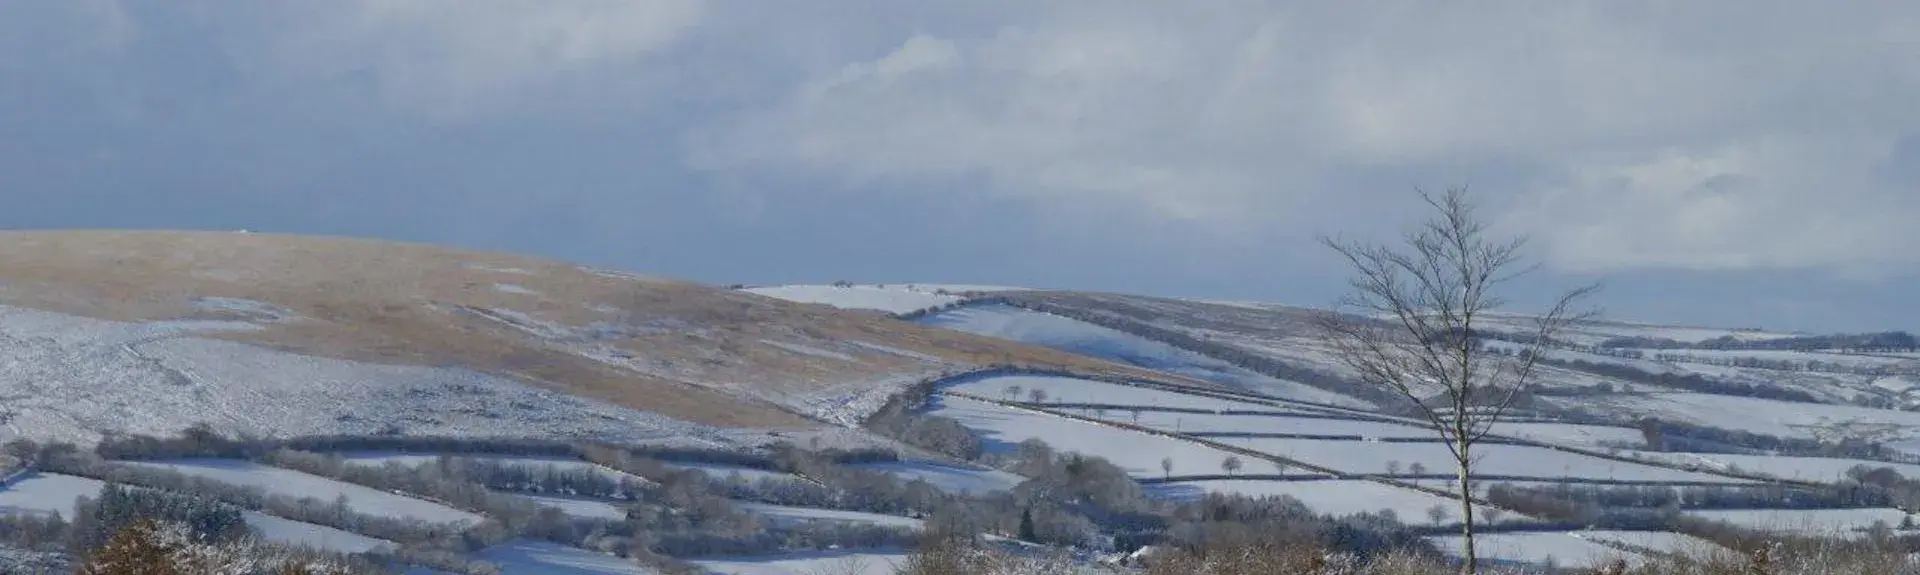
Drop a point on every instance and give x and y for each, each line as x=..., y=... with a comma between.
x=1697, y=135
x=452, y=58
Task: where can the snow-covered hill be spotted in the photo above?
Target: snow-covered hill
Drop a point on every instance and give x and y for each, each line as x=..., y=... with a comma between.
x=150, y=332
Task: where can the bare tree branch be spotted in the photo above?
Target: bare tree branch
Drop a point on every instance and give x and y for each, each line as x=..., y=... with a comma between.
x=1412, y=324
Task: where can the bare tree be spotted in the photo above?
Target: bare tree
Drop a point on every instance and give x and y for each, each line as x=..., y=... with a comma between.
x=1411, y=321
x=1279, y=467
x=1231, y=464
x=1438, y=514
x=1417, y=468
x=1393, y=467
x=1166, y=467
x=1013, y=392
x=1037, y=395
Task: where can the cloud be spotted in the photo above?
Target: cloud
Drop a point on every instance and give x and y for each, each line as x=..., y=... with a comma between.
x=453, y=58
x=1624, y=135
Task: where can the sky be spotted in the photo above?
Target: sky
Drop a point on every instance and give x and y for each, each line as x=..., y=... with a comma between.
x=1739, y=164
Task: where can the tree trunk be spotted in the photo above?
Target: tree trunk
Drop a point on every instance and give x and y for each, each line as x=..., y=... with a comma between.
x=1470, y=561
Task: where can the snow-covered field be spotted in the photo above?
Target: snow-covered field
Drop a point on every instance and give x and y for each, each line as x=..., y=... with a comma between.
x=292, y=532
x=819, y=562
x=1590, y=333
x=786, y=515
x=1572, y=435
x=68, y=378
x=1835, y=522
x=528, y=557
x=42, y=493
x=1560, y=549
x=949, y=478
x=1076, y=390
x=1205, y=423
x=1336, y=497
x=894, y=298
x=580, y=506
x=564, y=464
x=1769, y=417
x=1493, y=459
x=1823, y=469
x=1843, y=359
x=1659, y=541
x=296, y=484
x=1067, y=334
x=724, y=471
x=1140, y=454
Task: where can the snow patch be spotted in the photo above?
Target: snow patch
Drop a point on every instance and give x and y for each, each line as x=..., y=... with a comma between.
x=808, y=350
x=249, y=310
x=514, y=289
x=1067, y=334
x=888, y=299
x=497, y=269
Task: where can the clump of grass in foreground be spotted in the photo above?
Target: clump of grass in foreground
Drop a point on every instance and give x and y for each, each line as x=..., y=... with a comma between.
x=1796, y=557
x=1279, y=555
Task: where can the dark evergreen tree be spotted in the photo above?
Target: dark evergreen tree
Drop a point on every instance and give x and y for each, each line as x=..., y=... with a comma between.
x=1026, y=525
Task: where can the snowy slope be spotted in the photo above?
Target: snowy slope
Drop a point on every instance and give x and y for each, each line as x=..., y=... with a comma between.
x=890, y=299
x=1823, y=469
x=297, y=484
x=67, y=378
x=1493, y=459
x=580, y=506
x=1593, y=332
x=36, y=492
x=1557, y=548
x=1077, y=390
x=1008, y=322
x=1661, y=541
x=1572, y=435
x=820, y=562
x=528, y=557
x=1140, y=454
x=724, y=471
x=1830, y=522
x=292, y=532
x=1206, y=424
x=1765, y=416
x=949, y=478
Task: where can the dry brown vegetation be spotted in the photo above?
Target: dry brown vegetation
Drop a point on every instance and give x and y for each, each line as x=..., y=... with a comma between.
x=698, y=352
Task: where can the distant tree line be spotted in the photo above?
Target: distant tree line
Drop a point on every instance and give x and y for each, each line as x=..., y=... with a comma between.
x=1886, y=341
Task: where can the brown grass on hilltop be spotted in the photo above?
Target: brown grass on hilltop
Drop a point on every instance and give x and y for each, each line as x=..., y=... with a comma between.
x=701, y=351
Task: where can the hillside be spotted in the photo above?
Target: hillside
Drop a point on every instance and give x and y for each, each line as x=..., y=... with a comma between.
x=151, y=331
